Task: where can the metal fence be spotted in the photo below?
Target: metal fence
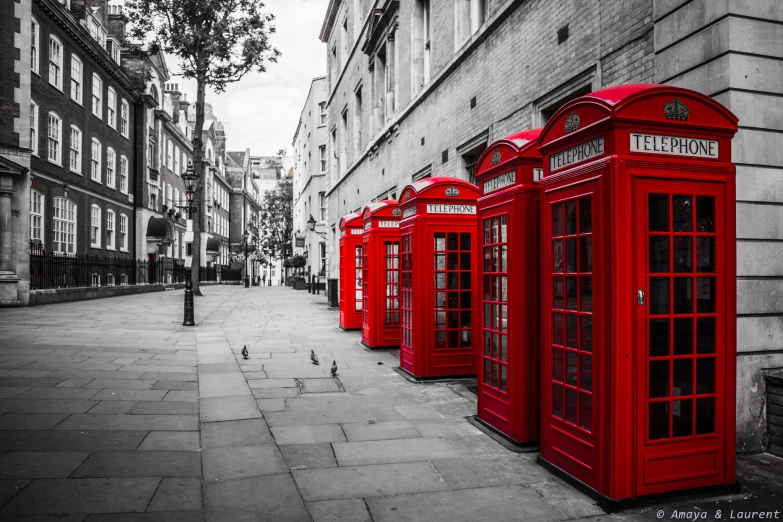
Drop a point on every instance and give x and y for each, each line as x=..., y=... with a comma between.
x=51, y=270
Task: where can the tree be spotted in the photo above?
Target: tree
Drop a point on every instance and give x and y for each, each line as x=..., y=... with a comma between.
x=217, y=43
x=276, y=225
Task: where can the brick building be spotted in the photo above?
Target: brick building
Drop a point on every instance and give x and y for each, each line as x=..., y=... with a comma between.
x=418, y=88
x=82, y=130
x=310, y=169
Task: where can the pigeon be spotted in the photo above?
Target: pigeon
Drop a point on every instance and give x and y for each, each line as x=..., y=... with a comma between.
x=313, y=357
x=245, y=353
x=334, y=368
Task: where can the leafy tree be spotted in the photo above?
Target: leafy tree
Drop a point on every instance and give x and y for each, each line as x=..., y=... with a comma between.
x=217, y=43
x=276, y=221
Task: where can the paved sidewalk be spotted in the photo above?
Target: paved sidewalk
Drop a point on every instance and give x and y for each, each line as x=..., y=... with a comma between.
x=110, y=410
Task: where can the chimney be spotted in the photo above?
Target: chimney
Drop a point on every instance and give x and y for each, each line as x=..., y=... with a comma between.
x=172, y=89
x=117, y=22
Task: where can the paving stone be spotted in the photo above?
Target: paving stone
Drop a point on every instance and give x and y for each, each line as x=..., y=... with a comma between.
x=490, y=471
x=389, y=451
x=275, y=393
x=234, y=433
x=380, y=430
x=171, y=441
x=11, y=391
x=271, y=383
x=239, y=500
x=252, y=367
x=303, y=418
x=368, y=481
x=304, y=456
x=156, y=368
x=104, y=495
x=163, y=516
x=175, y=385
x=129, y=422
x=222, y=385
x=228, y=408
x=170, y=376
x=465, y=505
x=353, y=510
x=446, y=428
x=476, y=446
x=70, y=440
x=17, y=382
x=165, y=408
x=271, y=404
x=130, y=395
x=242, y=461
x=418, y=411
x=308, y=434
x=568, y=501
x=112, y=407
x=9, y=488
x=44, y=406
x=31, y=421
x=58, y=394
x=255, y=375
x=181, y=396
x=126, y=384
x=140, y=464
x=177, y=494
x=40, y=464
x=217, y=368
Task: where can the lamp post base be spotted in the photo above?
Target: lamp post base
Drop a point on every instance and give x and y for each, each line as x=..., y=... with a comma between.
x=189, y=321
x=247, y=282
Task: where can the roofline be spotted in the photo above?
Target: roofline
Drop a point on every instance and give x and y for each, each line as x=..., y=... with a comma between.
x=331, y=14
x=312, y=82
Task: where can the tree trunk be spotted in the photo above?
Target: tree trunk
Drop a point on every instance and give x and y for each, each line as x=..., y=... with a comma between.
x=198, y=164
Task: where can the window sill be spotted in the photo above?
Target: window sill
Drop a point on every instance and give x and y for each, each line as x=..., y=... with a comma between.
x=95, y=180
x=77, y=102
x=111, y=248
x=96, y=247
x=58, y=163
x=99, y=116
x=124, y=250
x=56, y=87
x=75, y=172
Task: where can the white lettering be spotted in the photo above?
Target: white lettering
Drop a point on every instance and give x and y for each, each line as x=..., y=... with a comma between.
x=357, y=231
x=581, y=152
x=499, y=182
x=676, y=145
x=388, y=224
x=410, y=211
x=435, y=208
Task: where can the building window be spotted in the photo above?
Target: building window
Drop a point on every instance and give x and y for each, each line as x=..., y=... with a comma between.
x=55, y=62
x=150, y=153
x=115, y=51
x=36, y=217
x=469, y=15
x=34, y=37
x=176, y=161
x=322, y=258
x=357, y=19
x=357, y=123
x=95, y=164
x=123, y=233
x=176, y=245
x=76, y=79
x=123, y=174
x=345, y=43
x=176, y=197
x=420, y=46
x=469, y=160
x=111, y=164
x=322, y=114
x=75, y=162
x=95, y=226
x=111, y=108
x=124, y=118
x=64, y=226
x=97, y=89
x=322, y=158
x=322, y=205
x=34, y=127
x=168, y=155
x=55, y=138
x=110, y=230
x=344, y=142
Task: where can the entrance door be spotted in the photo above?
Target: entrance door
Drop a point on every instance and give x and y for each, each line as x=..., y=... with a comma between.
x=365, y=294
x=406, y=289
x=391, y=271
x=680, y=334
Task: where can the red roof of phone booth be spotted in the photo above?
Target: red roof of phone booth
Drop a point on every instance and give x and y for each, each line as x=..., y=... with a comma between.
x=427, y=184
x=378, y=205
x=523, y=138
x=348, y=220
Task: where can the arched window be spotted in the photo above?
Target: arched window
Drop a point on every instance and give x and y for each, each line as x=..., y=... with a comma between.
x=123, y=174
x=111, y=166
x=64, y=226
x=110, y=230
x=76, y=79
x=176, y=161
x=34, y=37
x=95, y=226
x=55, y=62
x=75, y=157
x=111, y=108
x=123, y=233
x=36, y=217
x=97, y=95
x=55, y=138
x=124, y=118
x=95, y=163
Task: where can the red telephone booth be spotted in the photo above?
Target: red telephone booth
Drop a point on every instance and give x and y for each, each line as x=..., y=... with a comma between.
x=437, y=238
x=508, y=255
x=639, y=292
x=381, y=277
x=351, y=272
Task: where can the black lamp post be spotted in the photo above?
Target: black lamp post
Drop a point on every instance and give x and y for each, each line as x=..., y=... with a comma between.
x=190, y=177
x=247, y=265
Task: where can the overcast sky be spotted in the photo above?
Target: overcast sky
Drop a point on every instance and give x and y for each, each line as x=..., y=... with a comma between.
x=261, y=111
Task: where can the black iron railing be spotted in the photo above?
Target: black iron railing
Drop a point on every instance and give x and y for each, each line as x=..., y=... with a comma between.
x=52, y=270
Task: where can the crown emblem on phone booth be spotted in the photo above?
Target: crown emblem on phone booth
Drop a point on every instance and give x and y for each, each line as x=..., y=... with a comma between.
x=571, y=123
x=396, y=212
x=452, y=192
x=676, y=110
x=496, y=158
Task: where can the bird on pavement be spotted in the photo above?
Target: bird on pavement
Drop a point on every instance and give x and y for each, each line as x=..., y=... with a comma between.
x=313, y=357
x=334, y=368
x=245, y=353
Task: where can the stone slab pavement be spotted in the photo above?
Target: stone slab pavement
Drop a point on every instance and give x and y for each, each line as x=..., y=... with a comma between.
x=111, y=410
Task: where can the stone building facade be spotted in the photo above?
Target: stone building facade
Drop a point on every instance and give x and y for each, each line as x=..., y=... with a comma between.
x=310, y=169
x=418, y=88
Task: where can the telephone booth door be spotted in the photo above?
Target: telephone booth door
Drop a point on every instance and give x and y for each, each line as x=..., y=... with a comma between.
x=508, y=333
x=680, y=320
x=381, y=267
x=438, y=235
x=351, y=303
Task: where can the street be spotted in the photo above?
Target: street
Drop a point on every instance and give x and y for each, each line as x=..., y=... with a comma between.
x=112, y=410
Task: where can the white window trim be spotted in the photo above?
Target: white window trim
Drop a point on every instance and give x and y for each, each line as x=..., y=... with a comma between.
x=322, y=121
x=111, y=108
x=111, y=160
x=97, y=110
x=124, y=244
x=125, y=105
x=35, y=125
x=35, y=45
x=113, y=230
x=97, y=243
x=42, y=214
x=74, y=222
x=126, y=172
x=59, y=84
x=59, y=159
x=94, y=162
x=80, y=96
x=80, y=151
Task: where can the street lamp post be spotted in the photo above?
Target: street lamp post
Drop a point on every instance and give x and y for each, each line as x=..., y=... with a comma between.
x=247, y=265
x=190, y=177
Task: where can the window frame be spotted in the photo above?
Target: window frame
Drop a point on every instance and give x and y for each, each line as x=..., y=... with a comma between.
x=77, y=84
x=75, y=166
x=322, y=160
x=58, y=83
x=322, y=115
x=123, y=174
x=124, y=118
x=58, y=160
x=40, y=204
x=95, y=163
x=34, y=127
x=111, y=107
x=97, y=98
x=58, y=221
x=35, y=45
x=123, y=232
x=96, y=242
x=111, y=167
x=111, y=231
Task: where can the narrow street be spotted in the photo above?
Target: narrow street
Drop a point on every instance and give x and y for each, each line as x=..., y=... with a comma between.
x=111, y=406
